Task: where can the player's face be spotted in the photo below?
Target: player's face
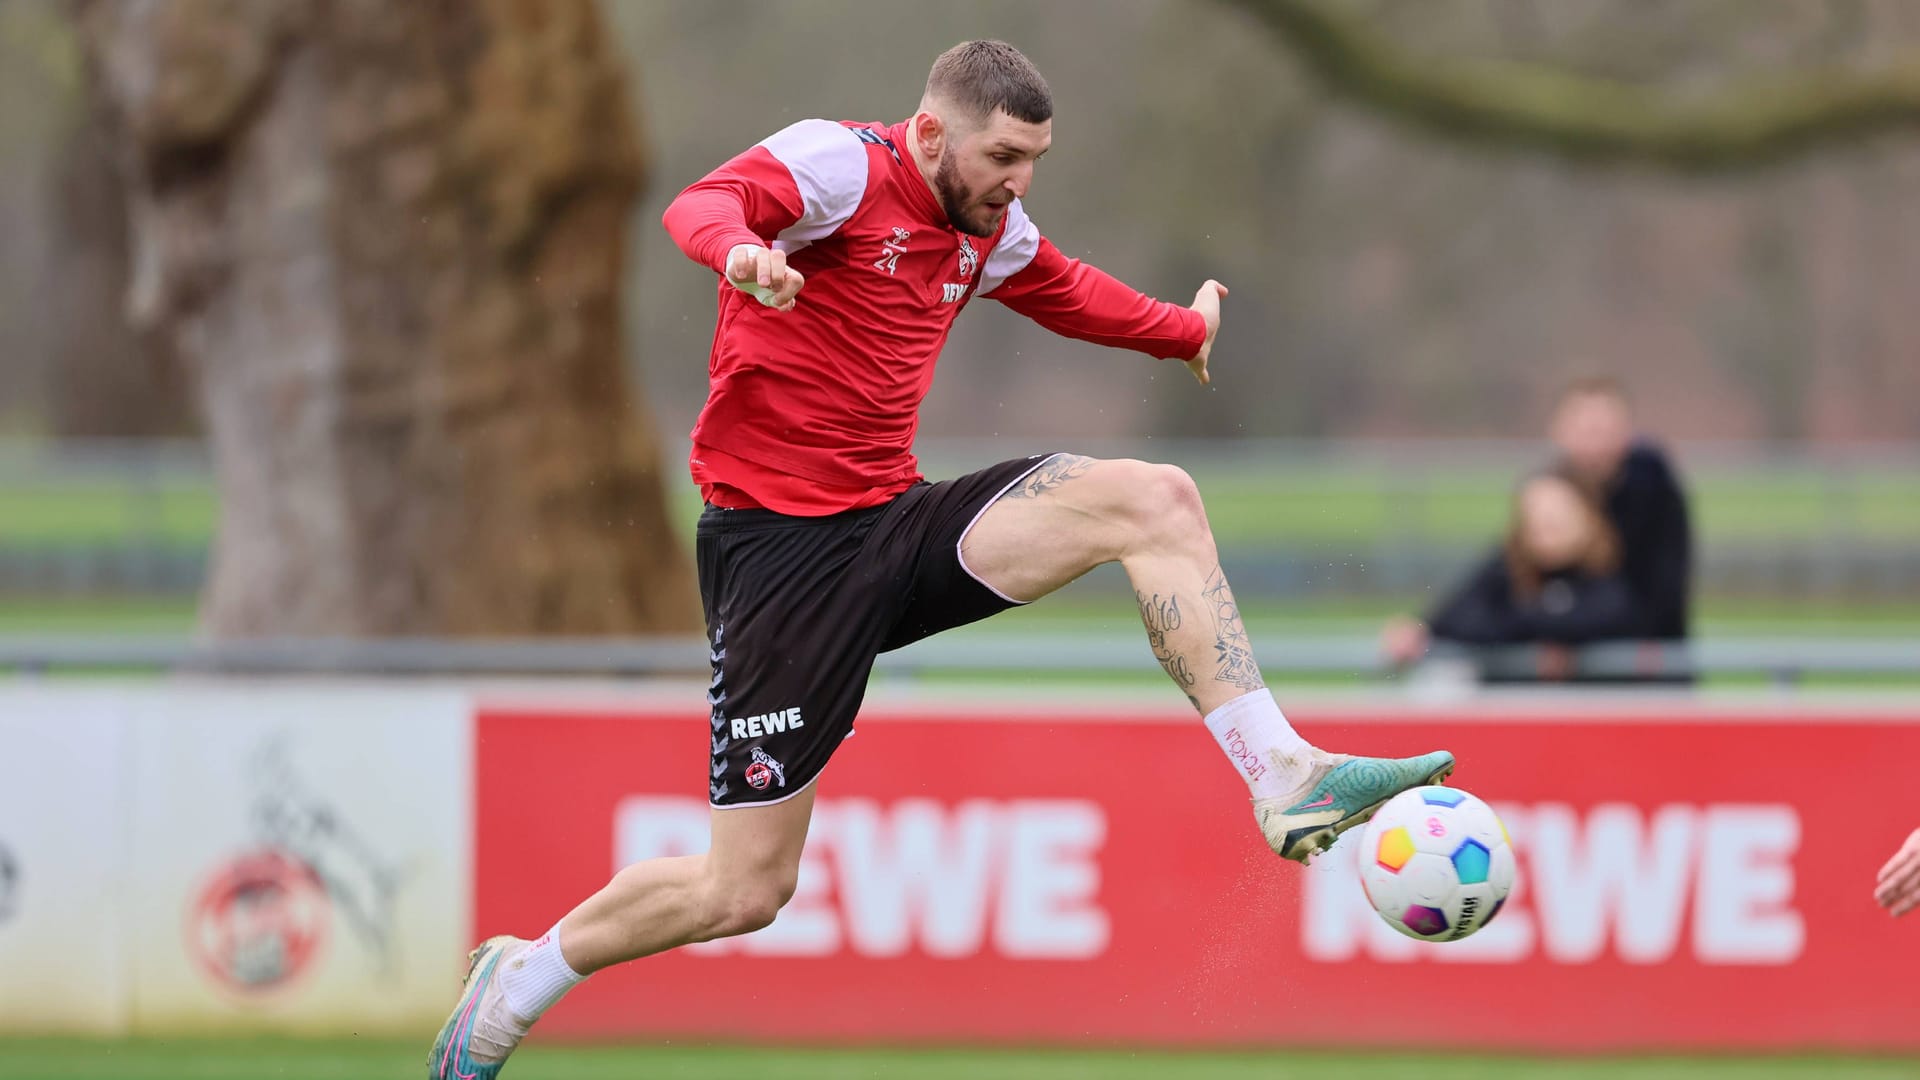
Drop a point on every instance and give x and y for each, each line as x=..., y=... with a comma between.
x=982, y=170
x=1594, y=431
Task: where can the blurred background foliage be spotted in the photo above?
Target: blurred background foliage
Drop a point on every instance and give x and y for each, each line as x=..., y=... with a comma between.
x=1408, y=295
x=1389, y=281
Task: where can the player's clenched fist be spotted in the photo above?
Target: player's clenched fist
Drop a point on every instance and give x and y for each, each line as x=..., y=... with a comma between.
x=764, y=273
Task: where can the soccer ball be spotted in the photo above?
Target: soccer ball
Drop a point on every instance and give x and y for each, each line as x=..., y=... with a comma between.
x=1436, y=863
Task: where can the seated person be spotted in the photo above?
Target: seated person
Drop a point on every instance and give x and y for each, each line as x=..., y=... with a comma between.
x=1555, y=580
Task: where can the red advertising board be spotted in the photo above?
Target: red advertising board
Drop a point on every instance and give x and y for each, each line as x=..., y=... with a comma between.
x=1688, y=879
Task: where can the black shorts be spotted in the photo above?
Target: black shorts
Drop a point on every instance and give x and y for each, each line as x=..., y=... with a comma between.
x=798, y=607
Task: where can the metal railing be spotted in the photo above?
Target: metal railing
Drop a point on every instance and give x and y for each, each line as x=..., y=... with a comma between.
x=1784, y=661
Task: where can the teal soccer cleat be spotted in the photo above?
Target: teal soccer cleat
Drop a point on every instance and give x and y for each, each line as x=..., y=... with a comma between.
x=480, y=1034
x=1340, y=793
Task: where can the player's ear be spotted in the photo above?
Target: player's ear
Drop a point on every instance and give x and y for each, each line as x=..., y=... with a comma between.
x=929, y=132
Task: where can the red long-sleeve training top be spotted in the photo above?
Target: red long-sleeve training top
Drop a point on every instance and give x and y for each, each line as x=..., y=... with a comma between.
x=813, y=411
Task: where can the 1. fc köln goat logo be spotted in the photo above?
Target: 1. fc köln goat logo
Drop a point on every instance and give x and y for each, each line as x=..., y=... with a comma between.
x=969, y=260
x=764, y=771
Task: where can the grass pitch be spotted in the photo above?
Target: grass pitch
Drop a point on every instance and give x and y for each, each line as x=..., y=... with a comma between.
x=256, y=1059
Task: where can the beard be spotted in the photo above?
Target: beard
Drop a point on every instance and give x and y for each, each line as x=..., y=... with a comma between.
x=963, y=211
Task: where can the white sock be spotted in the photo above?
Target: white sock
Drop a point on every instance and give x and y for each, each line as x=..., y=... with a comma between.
x=538, y=977
x=1271, y=756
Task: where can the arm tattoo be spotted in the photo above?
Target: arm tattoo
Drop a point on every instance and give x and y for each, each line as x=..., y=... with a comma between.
x=1234, y=656
x=1162, y=617
x=1053, y=472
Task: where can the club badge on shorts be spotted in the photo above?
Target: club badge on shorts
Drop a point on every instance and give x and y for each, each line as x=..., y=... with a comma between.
x=764, y=770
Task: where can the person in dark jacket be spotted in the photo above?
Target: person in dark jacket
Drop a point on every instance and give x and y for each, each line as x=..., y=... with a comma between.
x=1593, y=429
x=1556, y=580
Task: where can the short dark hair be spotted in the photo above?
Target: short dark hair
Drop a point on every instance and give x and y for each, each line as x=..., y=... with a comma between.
x=981, y=76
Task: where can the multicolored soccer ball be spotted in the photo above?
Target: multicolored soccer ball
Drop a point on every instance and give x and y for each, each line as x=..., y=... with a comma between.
x=1436, y=863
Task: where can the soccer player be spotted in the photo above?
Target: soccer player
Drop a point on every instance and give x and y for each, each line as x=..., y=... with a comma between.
x=845, y=251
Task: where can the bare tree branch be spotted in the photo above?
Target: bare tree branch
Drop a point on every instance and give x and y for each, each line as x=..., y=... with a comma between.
x=1759, y=121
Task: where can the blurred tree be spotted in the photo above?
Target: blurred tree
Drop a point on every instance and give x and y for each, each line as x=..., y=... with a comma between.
x=388, y=239
x=107, y=381
x=1504, y=101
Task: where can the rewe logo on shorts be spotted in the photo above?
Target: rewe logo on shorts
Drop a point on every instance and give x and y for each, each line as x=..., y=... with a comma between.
x=753, y=727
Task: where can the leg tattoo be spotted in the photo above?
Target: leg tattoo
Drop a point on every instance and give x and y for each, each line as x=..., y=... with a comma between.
x=1057, y=470
x=1162, y=617
x=1234, y=656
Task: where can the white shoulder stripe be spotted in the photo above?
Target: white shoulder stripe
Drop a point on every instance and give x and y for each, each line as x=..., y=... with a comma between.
x=1019, y=243
x=829, y=166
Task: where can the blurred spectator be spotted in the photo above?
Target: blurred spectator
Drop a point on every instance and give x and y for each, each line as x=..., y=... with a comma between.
x=1898, y=887
x=1556, y=579
x=1592, y=427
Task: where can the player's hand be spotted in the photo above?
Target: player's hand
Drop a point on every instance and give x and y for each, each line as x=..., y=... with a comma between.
x=1552, y=661
x=1404, y=640
x=1898, y=888
x=1207, y=303
x=763, y=272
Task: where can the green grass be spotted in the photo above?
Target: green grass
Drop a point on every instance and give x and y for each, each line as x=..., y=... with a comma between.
x=1087, y=608
x=1256, y=504
x=1090, y=607
x=1251, y=503
x=176, y=512
x=256, y=1059
x=1340, y=508
x=115, y=615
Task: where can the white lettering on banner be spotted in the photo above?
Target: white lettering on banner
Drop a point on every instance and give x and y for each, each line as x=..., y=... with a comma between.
x=1016, y=877
x=1610, y=874
x=1046, y=905
x=915, y=864
x=1743, y=910
x=1616, y=873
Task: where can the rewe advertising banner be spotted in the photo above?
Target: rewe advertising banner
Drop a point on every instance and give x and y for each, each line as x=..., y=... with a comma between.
x=1688, y=879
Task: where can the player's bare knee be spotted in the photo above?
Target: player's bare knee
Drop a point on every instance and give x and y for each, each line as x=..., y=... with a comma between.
x=746, y=905
x=1165, y=505
x=754, y=908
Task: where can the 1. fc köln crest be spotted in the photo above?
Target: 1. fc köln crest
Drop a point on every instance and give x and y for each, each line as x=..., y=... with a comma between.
x=765, y=770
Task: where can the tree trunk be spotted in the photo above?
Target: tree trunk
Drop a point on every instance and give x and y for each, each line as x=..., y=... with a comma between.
x=107, y=381
x=389, y=238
